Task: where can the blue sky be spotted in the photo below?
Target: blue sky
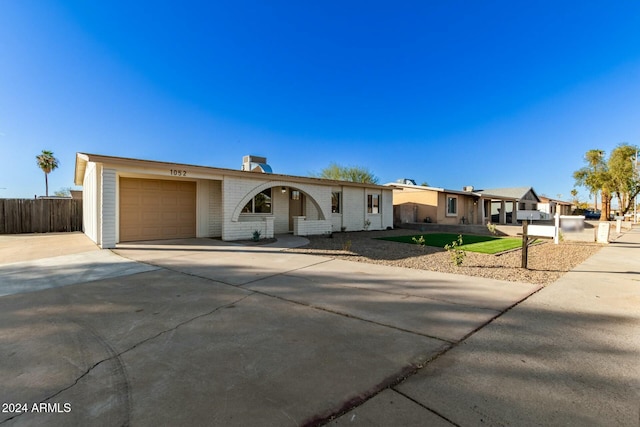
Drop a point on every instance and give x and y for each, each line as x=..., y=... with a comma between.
x=490, y=94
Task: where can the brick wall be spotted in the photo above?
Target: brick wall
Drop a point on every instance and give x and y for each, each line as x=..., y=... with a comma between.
x=280, y=210
x=353, y=208
x=238, y=191
x=215, y=208
x=306, y=227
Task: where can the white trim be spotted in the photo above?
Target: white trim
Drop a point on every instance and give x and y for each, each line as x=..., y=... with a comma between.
x=446, y=212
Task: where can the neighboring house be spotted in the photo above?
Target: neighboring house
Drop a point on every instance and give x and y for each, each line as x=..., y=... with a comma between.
x=416, y=203
x=551, y=206
x=526, y=198
x=131, y=199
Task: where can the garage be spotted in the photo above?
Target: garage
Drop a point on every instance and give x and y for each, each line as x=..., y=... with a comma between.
x=153, y=209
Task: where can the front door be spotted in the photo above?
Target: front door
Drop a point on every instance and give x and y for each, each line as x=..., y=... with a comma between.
x=296, y=206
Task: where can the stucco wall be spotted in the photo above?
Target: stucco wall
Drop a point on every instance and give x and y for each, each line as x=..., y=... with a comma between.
x=465, y=203
x=426, y=201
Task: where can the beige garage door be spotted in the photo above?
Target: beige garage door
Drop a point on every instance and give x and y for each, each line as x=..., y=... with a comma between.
x=152, y=209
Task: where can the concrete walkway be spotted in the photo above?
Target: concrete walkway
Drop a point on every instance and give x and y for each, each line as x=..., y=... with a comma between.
x=568, y=355
x=212, y=333
x=34, y=262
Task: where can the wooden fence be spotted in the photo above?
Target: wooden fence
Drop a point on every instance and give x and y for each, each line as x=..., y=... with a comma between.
x=40, y=215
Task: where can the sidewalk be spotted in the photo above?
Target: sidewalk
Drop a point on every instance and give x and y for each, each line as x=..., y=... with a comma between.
x=568, y=355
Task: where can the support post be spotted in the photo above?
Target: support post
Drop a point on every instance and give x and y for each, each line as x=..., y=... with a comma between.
x=556, y=234
x=525, y=243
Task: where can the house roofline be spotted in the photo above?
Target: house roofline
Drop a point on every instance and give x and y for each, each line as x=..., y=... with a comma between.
x=83, y=158
x=457, y=192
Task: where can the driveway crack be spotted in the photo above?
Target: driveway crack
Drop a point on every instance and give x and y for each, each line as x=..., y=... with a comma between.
x=118, y=355
x=324, y=420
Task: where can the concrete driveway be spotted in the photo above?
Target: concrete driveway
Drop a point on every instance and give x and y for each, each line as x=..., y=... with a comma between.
x=202, y=332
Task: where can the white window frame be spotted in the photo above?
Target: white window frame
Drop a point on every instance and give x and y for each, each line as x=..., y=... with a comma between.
x=371, y=205
x=338, y=195
x=252, y=202
x=447, y=212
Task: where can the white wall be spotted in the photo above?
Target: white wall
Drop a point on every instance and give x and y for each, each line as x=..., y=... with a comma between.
x=109, y=203
x=237, y=191
x=215, y=208
x=310, y=210
x=280, y=209
x=220, y=199
x=203, y=219
x=354, y=208
x=375, y=219
x=304, y=227
x=90, y=202
x=387, y=209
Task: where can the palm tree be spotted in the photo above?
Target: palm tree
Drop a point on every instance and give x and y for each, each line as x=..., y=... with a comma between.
x=47, y=163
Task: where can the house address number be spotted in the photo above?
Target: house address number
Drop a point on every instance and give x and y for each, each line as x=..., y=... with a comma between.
x=178, y=172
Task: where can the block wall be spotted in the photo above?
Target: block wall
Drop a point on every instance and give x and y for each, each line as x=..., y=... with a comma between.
x=353, y=208
x=215, y=208
x=280, y=209
x=305, y=227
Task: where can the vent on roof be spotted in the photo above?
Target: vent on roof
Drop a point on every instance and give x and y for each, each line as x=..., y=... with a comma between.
x=467, y=188
x=406, y=181
x=255, y=164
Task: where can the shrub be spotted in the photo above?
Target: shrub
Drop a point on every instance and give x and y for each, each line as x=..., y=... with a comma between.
x=256, y=235
x=457, y=255
x=419, y=241
x=492, y=228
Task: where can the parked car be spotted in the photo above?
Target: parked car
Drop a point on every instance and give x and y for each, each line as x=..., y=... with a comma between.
x=591, y=214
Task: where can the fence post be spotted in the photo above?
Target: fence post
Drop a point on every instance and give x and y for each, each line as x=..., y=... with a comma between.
x=525, y=243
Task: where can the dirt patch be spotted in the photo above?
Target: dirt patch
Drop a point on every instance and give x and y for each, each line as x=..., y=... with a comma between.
x=547, y=262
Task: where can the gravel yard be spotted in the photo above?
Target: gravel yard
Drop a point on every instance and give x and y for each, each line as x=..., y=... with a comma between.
x=547, y=262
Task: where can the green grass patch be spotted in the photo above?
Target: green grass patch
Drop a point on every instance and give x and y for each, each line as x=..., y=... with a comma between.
x=471, y=243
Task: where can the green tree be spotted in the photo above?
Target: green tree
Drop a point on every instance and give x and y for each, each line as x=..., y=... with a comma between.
x=63, y=192
x=595, y=177
x=624, y=175
x=47, y=162
x=348, y=173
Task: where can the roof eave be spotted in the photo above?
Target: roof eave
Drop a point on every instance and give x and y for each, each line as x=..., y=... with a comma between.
x=97, y=158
